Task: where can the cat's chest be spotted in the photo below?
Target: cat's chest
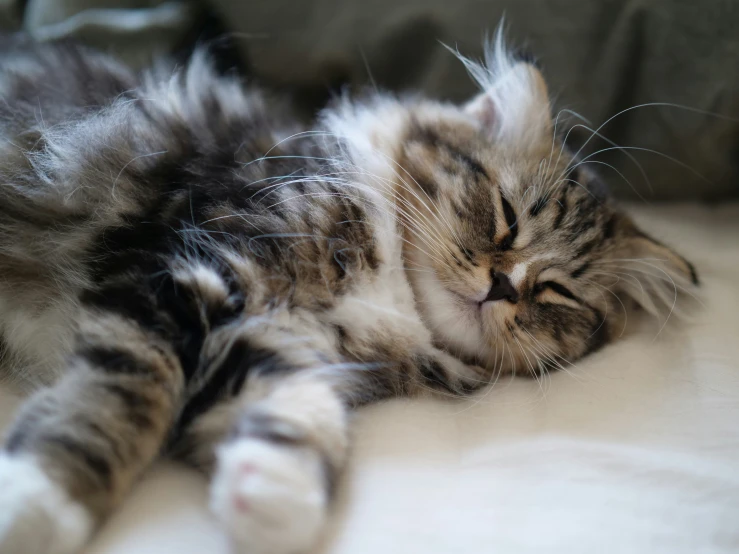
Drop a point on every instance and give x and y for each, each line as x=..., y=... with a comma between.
x=380, y=308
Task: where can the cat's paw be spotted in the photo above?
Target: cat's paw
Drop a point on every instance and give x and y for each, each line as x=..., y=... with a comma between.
x=271, y=499
x=36, y=515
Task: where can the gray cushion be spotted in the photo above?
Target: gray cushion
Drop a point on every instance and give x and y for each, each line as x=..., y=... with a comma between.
x=600, y=57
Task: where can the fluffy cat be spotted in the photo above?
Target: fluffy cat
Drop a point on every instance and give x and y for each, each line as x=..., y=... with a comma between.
x=194, y=272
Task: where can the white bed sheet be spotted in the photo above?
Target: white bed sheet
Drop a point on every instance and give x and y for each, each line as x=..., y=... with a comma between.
x=635, y=450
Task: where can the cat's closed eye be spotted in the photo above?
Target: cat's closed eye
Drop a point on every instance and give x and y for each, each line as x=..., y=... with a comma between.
x=512, y=222
x=556, y=288
x=468, y=254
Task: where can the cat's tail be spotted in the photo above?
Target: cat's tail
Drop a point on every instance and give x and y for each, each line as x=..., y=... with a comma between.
x=52, y=95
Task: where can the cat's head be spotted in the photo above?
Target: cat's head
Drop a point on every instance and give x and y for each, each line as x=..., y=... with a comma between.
x=517, y=257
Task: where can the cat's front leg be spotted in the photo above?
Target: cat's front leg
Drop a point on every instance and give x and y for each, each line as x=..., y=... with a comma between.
x=439, y=371
x=275, y=474
x=76, y=448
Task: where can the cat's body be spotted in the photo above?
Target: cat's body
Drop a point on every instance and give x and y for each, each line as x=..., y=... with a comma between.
x=197, y=272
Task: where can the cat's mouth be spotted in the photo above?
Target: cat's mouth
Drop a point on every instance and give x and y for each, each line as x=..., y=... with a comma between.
x=476, y=303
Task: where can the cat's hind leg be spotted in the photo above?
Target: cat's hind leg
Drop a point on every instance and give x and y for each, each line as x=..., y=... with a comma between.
x=76, y=448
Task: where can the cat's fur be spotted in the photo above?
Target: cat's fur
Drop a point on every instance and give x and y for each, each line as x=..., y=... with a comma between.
x=197, y=272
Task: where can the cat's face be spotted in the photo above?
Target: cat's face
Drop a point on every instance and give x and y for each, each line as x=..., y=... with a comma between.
x=517, y=259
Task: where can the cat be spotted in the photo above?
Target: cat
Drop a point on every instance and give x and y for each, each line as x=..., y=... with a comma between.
x=186, y=268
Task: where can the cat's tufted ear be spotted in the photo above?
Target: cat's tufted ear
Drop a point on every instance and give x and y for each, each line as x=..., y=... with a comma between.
x=514, y=102
x=649, y=272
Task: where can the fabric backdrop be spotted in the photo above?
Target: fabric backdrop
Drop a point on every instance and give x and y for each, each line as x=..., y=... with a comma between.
x=600, y=57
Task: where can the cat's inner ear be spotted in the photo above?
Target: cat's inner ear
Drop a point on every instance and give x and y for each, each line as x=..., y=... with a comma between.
x=514, y=103
x=653, y=274
x=483, y=110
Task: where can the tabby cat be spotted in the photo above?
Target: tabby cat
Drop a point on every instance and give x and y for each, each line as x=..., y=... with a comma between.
x=185, y=268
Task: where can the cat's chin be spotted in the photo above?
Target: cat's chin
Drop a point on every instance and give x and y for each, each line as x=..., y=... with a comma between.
x=471, y=339
x=455, y=320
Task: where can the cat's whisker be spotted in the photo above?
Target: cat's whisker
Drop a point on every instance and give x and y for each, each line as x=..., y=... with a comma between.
x=563, y=182
x=554, y=140
x=620, y=174
x=532, y=372
x=309, y=132
x=612, y=143
x=424, y=235
x=436, y=212
x=331, y=194
x=666, y=277
x=682, y=287
x=495, y=374
x=528, y=361
x=648, y=150
x=650, y=104
x=426, y=224
x=602, y=288
x=550, y=356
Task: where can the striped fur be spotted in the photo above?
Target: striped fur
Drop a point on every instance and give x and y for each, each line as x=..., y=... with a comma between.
x=190, y=267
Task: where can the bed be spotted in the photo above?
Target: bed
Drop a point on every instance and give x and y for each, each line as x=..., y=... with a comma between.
x=635, y=449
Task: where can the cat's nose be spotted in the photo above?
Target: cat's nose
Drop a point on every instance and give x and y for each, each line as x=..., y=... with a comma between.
x=501, y=289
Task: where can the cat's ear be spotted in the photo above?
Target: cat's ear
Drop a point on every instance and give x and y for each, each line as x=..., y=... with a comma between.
x=646, y=270
x=514, y=102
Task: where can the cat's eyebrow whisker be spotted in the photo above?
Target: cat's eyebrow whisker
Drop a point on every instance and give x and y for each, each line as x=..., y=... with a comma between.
x=624, y=149
x=620, y=174
x=609, y=141
x=422, y=232
x=561, y=182
x=554, y=140
x=651, y=151
x=652, y=104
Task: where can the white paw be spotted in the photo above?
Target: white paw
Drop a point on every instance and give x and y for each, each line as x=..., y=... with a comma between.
x=271, y=499
x=36, y=515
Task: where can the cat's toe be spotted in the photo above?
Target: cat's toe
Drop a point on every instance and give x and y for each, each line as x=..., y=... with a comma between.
x=36, y=515
x=272, y=499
